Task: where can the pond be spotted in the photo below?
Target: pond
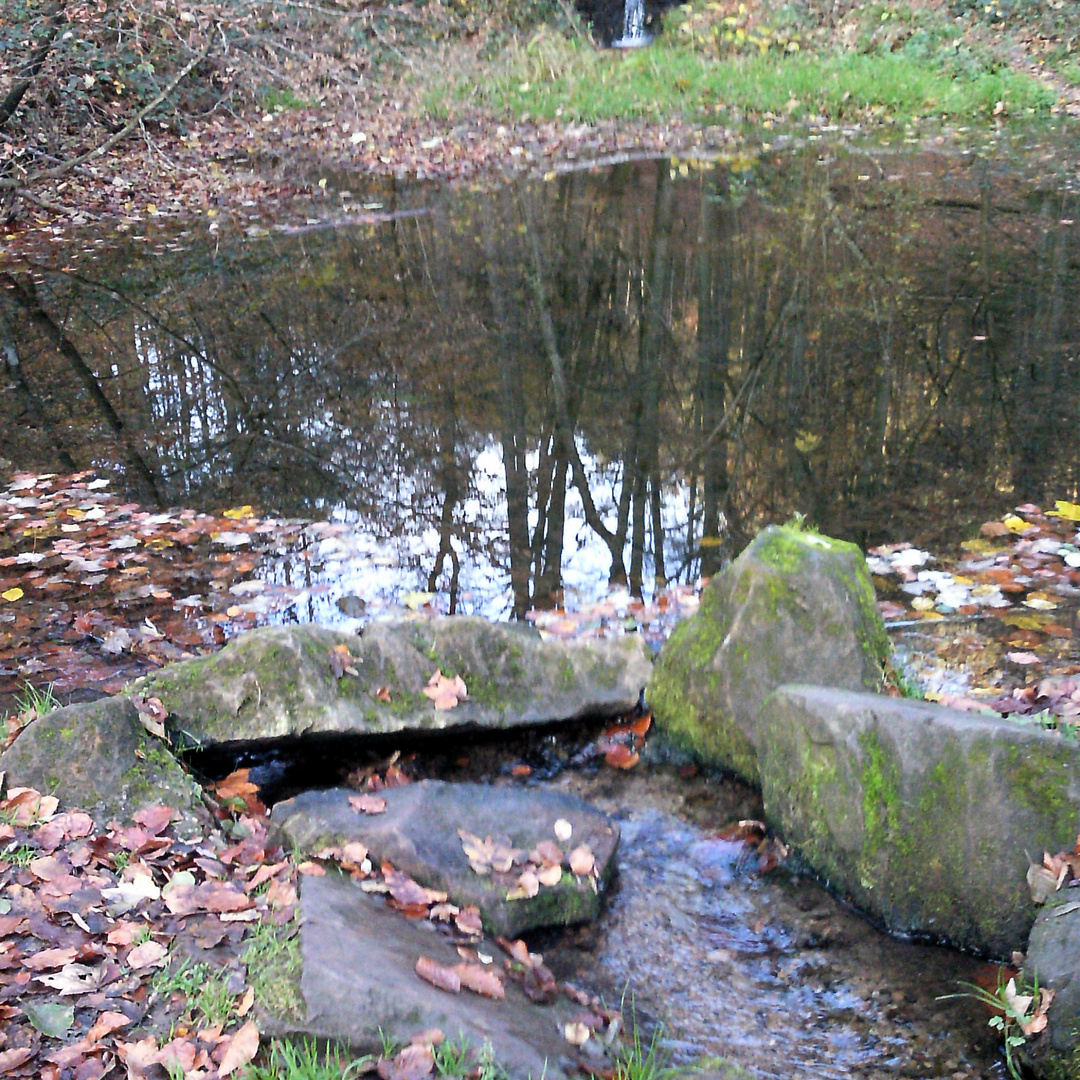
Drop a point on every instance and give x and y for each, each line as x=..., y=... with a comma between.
x=595, y=386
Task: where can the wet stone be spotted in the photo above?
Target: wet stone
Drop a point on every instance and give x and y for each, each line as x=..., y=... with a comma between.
x=418, y=833
x=1053, y=958
x=359, y=985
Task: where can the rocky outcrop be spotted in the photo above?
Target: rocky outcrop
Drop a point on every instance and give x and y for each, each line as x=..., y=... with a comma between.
x=98, y=757
x=793, y=607
x=299, y=680
x=418, y=833
x=920, y=814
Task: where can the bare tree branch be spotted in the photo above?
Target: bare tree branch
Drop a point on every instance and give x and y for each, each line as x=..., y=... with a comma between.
x=30, y=69
x=108, y=144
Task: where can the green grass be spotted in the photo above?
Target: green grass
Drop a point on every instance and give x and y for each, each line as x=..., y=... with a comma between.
x=40, y=699
x=272, y=957
x=305, y=1061
x=204, y=991
x=21, y=856
x=555, y=77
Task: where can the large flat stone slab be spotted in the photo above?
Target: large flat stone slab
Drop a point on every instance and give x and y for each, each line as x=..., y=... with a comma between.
x=280, y=681
x=793, y=607
x=418, y=833
x=921, y=814
x=97, y=756
x=359, y=984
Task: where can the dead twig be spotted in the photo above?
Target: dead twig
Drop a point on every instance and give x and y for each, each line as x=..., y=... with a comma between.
x=108, y=144
x=30, y=69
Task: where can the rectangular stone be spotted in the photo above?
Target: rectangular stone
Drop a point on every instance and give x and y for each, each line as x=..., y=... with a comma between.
x=923, y=816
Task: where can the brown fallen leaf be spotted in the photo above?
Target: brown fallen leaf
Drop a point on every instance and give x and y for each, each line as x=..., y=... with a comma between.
x=243, y=1047
x=49, y=958
x=621, y=756
x=148, y=954
x=13, y=1058
x=342, y=662
x=549, y=875
x=382, y=693
x=105, y=1024
x=445, y=692
x=413, y=1063
x=438, y=975
x=481, y=980
x=368, y=804
x=582, y=860
x=516, y=950
x=468, y=921
x=526, y=888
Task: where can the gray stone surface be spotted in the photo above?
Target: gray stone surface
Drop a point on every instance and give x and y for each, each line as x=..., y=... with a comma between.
x=359, y=983
x=1053, y=957
x=418, y=834
x=278, y=681
x=921, y=814
x=98, y=757
x=793, y=607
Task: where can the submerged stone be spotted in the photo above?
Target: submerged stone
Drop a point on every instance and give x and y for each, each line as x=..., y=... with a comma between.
x=360, y=987
x=793, y=607
x=98, y=757
x=418, y=833
x=282, y=681
x=922, y=815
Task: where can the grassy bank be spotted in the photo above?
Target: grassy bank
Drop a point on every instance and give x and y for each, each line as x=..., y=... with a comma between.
x=879, y=61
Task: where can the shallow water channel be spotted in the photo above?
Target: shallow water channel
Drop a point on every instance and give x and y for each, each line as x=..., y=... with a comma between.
x=494, y=402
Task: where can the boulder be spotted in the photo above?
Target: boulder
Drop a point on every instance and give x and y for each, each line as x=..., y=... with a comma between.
x=359, y=985
x=922, y=815
x=793, y=607
x=97, y=756
x=280, y=681
x=1053, y=958
x=418, y=833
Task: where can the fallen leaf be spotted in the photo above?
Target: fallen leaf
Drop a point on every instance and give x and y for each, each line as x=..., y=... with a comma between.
x=445, y=692
x=438, y=975
x=563, y=830
x=582, y=860
x=13, y=1058
x=243, y=1047
x=549, y=875
x=527, y=887
x=481, y=980
x=51, y=1020
x=49, y=958
x=11, y=595
x=368, y=804
x=105, y=1024
x=342, y=661
x=576, y=1033
x=382, y=693
x=413, y=1063
x=621, y=756
x=148, y=954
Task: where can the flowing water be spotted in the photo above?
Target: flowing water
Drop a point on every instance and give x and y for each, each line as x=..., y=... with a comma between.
x=609, y=379
x=633, y=35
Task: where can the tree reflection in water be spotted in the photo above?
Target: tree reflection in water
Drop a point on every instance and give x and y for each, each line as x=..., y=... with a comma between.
x=619, y=373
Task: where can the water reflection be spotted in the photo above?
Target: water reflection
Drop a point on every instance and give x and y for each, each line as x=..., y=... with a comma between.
x=615, y=375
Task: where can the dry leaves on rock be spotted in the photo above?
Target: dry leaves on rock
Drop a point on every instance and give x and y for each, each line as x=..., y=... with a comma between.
x=444, y=691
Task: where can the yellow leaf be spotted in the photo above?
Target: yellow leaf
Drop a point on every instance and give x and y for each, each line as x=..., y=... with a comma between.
x=12, y=594
x=1068, y=510
x=238, y=512
x=1015, y=524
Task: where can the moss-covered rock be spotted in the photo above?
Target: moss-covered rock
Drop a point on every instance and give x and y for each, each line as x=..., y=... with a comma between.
x=418, y=833
x=920, y=814
x=98, y=757
x=279, y=681
x=1053, y=958
x=793, y=607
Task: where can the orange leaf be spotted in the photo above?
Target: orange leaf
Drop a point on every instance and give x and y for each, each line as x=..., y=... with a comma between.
x=481, y=980
x=368, y=804
x=620, y=756
x=440, y=976
x=244, y=1046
